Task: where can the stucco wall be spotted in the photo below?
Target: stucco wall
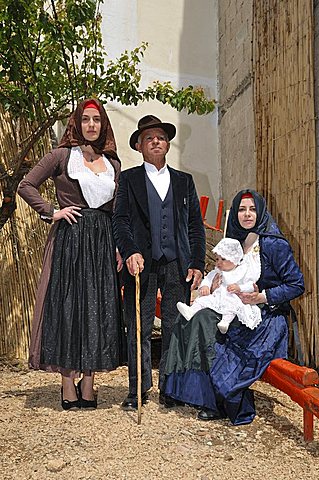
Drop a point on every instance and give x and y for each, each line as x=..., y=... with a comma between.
x=182, y=48
x=236, y=122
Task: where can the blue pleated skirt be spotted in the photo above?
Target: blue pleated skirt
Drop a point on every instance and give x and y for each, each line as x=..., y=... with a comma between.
x=229, y=364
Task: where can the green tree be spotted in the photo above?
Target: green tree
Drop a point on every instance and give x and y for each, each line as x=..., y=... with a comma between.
x=51, y=56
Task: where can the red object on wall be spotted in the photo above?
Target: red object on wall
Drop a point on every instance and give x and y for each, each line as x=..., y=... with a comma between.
x=203, y=203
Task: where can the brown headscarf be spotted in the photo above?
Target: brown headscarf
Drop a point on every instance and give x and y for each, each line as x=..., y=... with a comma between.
x=73, y=137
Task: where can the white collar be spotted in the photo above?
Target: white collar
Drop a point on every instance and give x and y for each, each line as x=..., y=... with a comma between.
x=151, y=169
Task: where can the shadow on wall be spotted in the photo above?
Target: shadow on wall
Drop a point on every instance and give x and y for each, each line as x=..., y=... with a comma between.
x=184, y=134
x=198, y=161
x=198, y=139
x=197, y=39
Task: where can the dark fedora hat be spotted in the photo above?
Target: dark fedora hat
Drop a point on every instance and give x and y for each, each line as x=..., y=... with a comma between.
x=150, y=121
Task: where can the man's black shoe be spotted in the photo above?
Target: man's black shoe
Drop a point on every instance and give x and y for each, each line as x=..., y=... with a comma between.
x=169, y=402
x=207, y=414
x=130, y=403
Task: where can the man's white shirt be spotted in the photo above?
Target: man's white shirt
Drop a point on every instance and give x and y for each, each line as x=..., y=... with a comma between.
x=159, y=178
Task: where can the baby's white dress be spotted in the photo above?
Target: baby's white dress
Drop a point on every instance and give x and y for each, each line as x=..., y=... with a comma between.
x=244, y=275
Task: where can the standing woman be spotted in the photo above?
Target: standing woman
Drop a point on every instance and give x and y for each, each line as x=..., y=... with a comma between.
x=215, y=371
x=77, y=319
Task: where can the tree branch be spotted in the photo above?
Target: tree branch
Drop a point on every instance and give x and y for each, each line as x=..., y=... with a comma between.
x=33, y=138
x=10, y=185
x=63, y=52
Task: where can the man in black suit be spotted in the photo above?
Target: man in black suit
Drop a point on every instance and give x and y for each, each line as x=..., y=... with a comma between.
x=159, y=232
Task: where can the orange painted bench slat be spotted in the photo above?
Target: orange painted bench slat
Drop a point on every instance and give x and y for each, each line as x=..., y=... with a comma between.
x=300, y=384
x=302, y=375
x=313, y=399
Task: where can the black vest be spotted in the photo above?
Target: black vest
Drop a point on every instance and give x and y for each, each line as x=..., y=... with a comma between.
x=162, y=222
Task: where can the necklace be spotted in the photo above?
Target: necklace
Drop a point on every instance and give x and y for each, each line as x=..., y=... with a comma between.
x=91, y=160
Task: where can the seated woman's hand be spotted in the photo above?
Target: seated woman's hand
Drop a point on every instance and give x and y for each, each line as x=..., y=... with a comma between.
x=253, y=298
x=203, y=291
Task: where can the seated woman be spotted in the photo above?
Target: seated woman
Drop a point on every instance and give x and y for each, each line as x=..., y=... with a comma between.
x=214, y=371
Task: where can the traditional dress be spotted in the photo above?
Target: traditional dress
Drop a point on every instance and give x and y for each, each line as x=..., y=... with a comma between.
x=214, y=371
x=77, y=321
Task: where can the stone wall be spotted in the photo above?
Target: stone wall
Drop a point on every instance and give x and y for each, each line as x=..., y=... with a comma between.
x=235, y=118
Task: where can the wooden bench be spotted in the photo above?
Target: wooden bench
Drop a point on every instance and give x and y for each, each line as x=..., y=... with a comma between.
x=301, y=384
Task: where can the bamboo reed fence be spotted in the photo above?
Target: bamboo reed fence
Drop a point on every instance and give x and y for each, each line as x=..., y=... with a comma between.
x=283, y=66
x=21, y=248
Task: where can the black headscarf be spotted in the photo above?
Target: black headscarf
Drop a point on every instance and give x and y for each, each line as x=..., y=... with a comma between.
x=265, y=224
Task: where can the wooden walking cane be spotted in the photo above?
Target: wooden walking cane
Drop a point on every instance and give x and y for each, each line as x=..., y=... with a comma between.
x=138, y=350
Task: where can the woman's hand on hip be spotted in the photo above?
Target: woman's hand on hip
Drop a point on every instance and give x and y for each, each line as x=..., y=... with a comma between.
x=68, y=213
x=135, y=263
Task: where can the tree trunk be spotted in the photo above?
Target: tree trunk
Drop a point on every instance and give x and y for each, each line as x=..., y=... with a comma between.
x=9, y=184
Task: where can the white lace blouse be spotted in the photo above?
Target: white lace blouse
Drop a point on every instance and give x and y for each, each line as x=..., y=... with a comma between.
x=97, y=189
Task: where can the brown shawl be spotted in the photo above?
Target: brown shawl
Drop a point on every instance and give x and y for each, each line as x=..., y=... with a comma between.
x=73, y=137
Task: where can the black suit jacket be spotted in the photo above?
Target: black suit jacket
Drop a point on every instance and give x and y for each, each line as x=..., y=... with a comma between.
x=131, y=223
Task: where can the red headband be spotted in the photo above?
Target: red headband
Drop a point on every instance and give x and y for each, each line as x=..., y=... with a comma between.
x=247, y=195
x=91, y=104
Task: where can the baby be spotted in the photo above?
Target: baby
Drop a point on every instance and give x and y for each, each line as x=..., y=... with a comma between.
x=238, y=273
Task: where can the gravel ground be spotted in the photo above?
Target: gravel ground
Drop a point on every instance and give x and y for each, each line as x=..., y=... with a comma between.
x=40, y=441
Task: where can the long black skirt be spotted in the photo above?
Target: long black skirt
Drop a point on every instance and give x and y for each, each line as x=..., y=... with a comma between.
x=82, y=328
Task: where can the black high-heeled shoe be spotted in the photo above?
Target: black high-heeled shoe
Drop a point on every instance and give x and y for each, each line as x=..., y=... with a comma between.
x=88, y=404
x=68, y=404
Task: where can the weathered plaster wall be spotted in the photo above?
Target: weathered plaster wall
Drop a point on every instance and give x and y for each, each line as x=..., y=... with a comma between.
x=236, y=121
x=182, y=37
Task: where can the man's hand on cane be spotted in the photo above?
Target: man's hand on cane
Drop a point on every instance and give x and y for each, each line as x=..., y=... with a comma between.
x=135, y=263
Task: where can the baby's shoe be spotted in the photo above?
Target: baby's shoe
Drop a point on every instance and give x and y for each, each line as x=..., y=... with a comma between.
x=223, y=326
x=185, y=310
